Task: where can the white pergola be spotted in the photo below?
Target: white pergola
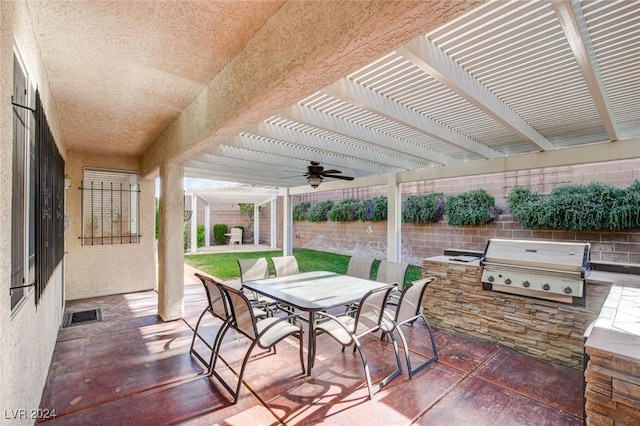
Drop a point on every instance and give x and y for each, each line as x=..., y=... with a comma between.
x=208, y=195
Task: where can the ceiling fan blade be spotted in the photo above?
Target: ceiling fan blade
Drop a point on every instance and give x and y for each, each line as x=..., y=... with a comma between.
x=332, y=171
x=339, y=177
x=290, y=177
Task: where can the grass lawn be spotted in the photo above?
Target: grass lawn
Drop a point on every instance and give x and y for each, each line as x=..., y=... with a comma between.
x=225, y=265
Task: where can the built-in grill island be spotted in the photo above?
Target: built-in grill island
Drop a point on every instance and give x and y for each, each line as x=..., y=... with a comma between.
x=542, y=269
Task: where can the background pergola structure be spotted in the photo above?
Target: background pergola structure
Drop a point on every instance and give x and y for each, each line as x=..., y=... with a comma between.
x=209, y=195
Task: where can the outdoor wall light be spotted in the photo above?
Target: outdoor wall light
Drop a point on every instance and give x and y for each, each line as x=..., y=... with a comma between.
x=67, y=181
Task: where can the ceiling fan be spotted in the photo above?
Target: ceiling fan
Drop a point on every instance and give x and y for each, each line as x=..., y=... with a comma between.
x=315, y=174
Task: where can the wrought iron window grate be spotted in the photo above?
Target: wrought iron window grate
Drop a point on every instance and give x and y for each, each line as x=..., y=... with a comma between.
x=110, y=213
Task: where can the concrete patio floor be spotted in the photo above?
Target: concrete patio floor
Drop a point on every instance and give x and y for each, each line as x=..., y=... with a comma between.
x=132, y=368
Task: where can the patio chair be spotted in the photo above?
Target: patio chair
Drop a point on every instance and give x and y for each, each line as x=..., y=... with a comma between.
x=285, y=265
x=407, y=311
x=360, y=266
x=235, y=237
x=390, y=272
x=346, y=330
x=264, y=333
x=217, y=307
x=393, y=273
x=252, y=270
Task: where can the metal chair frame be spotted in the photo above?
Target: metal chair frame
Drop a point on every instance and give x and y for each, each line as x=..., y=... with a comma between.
x=408, y=310
x=217, y=307
x=368, y=318
x=245, y=323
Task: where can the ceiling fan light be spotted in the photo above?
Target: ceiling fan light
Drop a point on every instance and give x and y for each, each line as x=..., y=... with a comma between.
x=314, y=181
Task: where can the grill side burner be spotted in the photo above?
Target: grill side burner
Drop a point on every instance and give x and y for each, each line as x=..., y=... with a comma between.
x=542, y=269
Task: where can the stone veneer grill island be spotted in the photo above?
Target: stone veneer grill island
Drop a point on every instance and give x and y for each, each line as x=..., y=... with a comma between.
x=457, y=301
x=602, y=338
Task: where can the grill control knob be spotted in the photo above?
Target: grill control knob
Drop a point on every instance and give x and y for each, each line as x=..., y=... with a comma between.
x=507, y=281
x=491, y=279
x=526, y=284
x=546, y=286
x=567, y=290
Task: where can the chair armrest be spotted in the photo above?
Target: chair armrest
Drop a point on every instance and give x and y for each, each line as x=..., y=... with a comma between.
x=334, y=318
x=281, y=319
x=324, y=314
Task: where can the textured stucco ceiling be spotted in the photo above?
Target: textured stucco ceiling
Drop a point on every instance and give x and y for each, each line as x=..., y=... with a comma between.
x=121, y=71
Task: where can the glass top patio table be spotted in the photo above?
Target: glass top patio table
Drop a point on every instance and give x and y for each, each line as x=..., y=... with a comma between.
x=312, y=292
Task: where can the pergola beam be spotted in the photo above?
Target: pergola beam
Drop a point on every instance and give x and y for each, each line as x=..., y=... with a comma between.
x=378, y=140
x=375, y=160
x=370, y=100
x=202, y=170
x=425, y=54
x=575, y=29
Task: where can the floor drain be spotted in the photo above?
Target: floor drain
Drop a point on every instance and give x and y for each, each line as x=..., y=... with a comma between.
x=82, y=317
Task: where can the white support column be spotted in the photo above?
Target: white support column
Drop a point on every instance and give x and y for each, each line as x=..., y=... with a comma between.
x=394, y=219
x=274, y=223
x=256, y=224
x=207, y=225
x=287, y=225
x=171, y=244
x=194, y=223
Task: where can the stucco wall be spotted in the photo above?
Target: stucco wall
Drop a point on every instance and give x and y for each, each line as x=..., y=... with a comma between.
x=115, y=268
x=29, y=332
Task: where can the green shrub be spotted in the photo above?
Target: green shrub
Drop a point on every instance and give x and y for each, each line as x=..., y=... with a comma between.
x=625, y=213
x=246, y=210
x=423, y=208
x=578, y=207
x=373, y=209
x=527, y=207
x=318, y=213
x=471, y=208
x=199, y=233
x=344, y=211
x=157, y=218
x=300, y=210
x=219, y=231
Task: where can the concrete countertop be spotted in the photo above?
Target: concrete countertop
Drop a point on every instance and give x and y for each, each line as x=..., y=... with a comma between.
x=617, y=328
x=452, y=259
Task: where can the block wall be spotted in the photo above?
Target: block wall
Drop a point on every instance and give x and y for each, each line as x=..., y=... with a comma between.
x=421, y=241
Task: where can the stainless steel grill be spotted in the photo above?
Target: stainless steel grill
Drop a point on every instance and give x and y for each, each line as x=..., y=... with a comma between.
x=542, y=269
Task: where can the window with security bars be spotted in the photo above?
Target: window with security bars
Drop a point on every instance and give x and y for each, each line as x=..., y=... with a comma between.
x=110, y=201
